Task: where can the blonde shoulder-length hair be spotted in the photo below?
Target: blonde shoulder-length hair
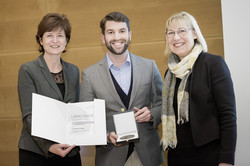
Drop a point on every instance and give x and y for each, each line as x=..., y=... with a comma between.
x=190, y=20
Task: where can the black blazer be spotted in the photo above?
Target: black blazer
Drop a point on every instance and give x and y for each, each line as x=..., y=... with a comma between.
x=35, y=77
x=212, y=105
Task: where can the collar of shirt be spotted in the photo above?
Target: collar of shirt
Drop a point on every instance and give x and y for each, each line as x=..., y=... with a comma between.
x=111, y=65
x=122, y=75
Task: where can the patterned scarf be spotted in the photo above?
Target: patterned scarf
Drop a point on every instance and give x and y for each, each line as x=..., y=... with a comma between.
x=180, y=69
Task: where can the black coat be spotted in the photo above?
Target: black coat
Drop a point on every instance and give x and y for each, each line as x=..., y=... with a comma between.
x=212, y=105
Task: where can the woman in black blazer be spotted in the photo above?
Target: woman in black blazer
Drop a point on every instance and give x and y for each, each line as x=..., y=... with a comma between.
x=50, y=76
x=198, y=102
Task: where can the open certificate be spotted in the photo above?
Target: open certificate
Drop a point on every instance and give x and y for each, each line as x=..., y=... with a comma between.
x=82, y=123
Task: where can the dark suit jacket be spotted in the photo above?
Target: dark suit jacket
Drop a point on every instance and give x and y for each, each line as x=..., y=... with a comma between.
x=35, y=77
x=146, y=90
x=212, y=105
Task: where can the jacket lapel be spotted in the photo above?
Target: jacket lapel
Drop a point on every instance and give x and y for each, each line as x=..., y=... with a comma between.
x=67, y=79
x=107, y=80
x=136, y=77
x=47, y=75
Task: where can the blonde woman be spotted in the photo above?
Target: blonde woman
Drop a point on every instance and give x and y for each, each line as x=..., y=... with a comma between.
x=198, y=102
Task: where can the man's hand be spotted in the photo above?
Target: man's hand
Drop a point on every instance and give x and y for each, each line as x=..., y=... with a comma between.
x=142, y=115
x=112, y=137
x=61, y=149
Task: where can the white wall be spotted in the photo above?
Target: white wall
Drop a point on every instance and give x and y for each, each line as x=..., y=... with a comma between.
x=236, y=31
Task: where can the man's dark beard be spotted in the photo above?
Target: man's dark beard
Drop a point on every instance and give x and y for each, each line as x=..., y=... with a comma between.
x=110, y=48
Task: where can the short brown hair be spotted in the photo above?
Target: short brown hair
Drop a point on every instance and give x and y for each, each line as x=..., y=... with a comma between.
x=114, y=16
x=50, y=22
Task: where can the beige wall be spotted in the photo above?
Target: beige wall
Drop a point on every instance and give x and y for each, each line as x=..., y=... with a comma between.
x=18, y=25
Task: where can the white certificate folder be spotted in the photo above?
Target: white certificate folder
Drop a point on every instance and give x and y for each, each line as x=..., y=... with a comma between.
x=125, y=126
x=82, y=123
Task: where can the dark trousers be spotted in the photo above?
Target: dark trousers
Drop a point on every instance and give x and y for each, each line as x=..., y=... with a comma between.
x=28, y=158
x=207, y=155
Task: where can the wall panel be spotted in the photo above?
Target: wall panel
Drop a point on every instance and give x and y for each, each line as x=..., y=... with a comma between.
x=147, y=17
x=9, y=66
x=9, y=128
x=18, y=26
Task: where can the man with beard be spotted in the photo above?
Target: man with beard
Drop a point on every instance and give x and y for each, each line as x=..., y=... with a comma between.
x=127, y=83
